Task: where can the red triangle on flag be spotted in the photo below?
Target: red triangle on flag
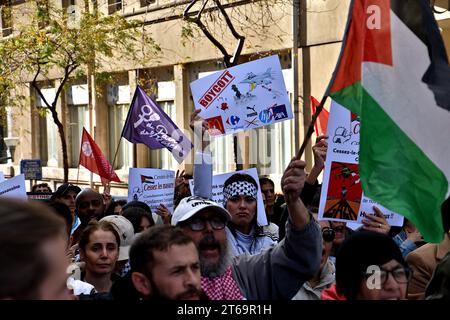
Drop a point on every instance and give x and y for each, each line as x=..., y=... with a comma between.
x=92, y=158
x=322, y=120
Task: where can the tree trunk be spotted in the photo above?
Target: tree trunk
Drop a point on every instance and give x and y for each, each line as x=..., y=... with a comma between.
x=62, y=136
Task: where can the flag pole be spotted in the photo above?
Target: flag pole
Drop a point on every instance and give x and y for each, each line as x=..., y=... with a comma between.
x=308, y=135
x=78, y=171
x=311, y=128
x=114, y=162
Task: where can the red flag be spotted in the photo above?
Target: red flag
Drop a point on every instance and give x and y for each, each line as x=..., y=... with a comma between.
x=321, y=124
x=92, y=158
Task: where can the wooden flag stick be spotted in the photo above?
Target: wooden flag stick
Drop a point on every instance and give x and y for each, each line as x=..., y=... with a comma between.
x=311, y=128
x=114, y=162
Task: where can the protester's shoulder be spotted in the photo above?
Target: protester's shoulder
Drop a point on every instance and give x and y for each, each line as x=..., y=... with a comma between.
x=423, y=254
x=425, y=250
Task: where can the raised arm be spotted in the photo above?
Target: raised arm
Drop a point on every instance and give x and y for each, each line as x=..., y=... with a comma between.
x=292, y=184
x=202, y=157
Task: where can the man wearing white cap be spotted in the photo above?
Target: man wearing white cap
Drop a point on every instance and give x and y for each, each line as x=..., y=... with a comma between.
x=275, y=273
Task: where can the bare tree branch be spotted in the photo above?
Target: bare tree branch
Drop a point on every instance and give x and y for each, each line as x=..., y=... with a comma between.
x=229, y=60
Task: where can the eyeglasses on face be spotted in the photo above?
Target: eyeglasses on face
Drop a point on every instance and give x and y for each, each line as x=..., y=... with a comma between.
x=400, y=274
x=199, y=224
x=328, y=234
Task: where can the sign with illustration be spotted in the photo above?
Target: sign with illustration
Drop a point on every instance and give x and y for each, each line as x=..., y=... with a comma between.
x=246, y=96
x=218, y=182
x=342, y=197
x=152, y=186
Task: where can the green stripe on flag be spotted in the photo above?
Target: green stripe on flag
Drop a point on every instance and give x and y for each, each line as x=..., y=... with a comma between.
x=396, y=173
x=350, y=97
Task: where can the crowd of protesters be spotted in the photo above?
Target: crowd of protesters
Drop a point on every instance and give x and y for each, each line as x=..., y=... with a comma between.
x=81, y=244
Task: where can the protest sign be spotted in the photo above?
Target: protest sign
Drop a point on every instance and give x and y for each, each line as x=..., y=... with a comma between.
x=152, y=186
x=14, y=188
x=342, y=197
x=246, y=96
x=217, y=191
x=2, y=176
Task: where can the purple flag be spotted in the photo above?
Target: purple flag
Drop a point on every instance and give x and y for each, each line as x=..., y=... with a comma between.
x=147, y=123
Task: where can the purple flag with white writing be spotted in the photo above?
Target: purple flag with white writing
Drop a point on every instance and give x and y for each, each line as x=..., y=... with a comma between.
x=147, y=123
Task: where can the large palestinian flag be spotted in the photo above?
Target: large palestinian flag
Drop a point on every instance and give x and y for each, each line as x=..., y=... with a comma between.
x=393, y=72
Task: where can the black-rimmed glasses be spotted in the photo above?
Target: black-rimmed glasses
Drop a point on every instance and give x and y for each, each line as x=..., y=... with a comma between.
x=400, y=274
x=198, y=224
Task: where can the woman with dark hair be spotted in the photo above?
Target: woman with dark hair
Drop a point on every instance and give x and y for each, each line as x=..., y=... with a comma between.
x=139, y=218
x=243, y=232
x=99, y=249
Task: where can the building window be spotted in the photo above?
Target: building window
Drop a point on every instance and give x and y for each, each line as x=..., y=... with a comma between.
x=66, y=3
x=48, y=131
x=48, y=140
x=79, y=118
x=222, y=149
x=272, y=148
x=114, y=6
x=145, y=3
x=117, y=116
x=3, y=134
x=6, y=17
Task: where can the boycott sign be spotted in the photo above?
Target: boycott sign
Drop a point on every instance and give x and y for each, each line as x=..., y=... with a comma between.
x=217, y=191
x=152, y=186
x=14, y=188
x=342, y=197
x=246, y=96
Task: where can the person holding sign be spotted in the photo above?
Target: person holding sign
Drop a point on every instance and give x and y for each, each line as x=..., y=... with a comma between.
x=275, y=273
x=243, y=233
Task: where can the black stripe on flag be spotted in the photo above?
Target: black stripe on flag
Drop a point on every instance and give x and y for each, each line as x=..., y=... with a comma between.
x=418, y=17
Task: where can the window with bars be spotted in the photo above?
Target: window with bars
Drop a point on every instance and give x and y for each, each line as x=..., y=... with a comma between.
x=117, y=116
x=114, y=6
x=6, y=17
x=79, y=118
x=145, y=3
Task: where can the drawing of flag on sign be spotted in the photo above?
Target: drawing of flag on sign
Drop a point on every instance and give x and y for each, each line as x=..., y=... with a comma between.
x=147, y=123
x=393, y=72
x=147, y=179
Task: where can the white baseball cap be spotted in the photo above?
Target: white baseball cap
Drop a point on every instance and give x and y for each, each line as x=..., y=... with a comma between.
x=189, y=206
x=126, y=233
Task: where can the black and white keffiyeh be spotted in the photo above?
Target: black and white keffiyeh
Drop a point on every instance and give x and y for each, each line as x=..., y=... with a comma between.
x=239, y=188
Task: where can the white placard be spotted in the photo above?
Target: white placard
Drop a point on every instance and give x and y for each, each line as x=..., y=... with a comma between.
x=342, y=198
x=14, y=188
x=217, y=191
x=152, y=186
x=2, y=176
x=246, y=96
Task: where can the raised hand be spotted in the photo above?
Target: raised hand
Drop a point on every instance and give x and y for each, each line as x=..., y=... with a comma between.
x=376, y=222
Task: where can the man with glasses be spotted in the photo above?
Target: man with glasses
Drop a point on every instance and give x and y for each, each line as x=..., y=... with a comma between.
x=370, y=266
x=275, y=273
x=324, y=278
